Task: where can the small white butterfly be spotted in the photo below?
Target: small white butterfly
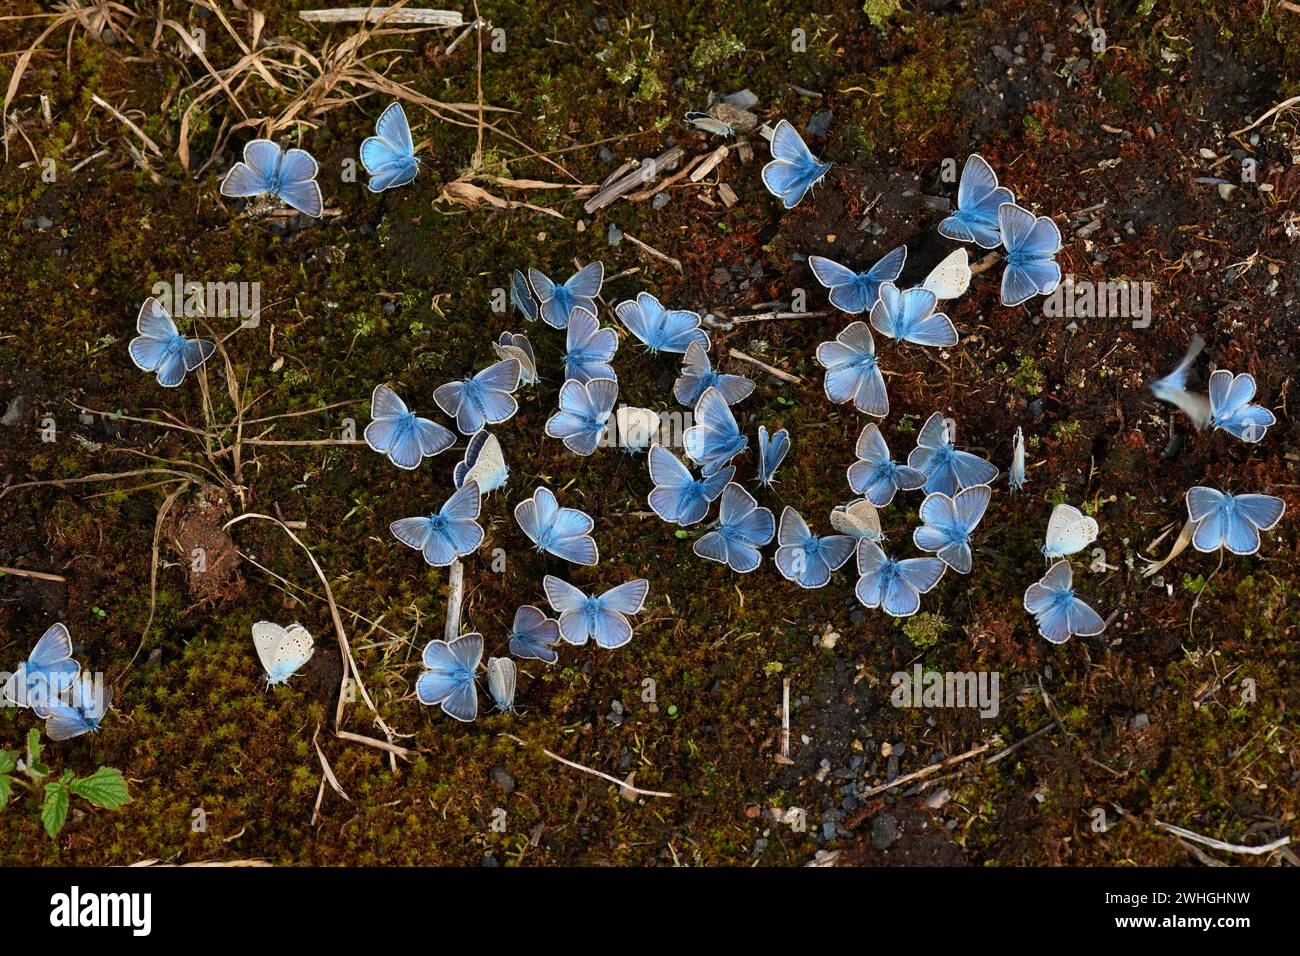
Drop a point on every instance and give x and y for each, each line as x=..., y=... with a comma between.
x=501, y=676
x=516, y=346
x=1016, y=476
x=484, y=463
x=1068, y=530
x=638, y=428
x=858, y=518
x=951, y=277
x=281, y=650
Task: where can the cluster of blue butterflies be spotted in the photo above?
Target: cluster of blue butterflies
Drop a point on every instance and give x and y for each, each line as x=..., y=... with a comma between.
x=51, y=683
x=957, y=483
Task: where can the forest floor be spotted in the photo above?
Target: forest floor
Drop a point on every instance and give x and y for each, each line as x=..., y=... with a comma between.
x=1183, y=712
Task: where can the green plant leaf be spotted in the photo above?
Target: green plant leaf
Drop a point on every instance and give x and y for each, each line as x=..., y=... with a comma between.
x=6, y=789
x=106, y=787
x=8, y=760
x=54, y=811
x=33, y=747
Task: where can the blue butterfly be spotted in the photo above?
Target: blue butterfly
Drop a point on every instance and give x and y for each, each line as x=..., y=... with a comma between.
x=47, y=674
x=584, y=412
x=949, y=523
x=771, y=452
x=522, y=296
x=1031, y=244
x=660, y=329
x=450, y=533
x=534, y=635
x=804, y=558
x=910, y=317
x=483, y=464
x=485, y=399
x=743, y=528
x=602, y=619
x=1231, y=521
x=698, y=375
x=855, y=292
x=852, y=371
x=448, y=679
x=979, y=198
x=715, y=438
x=558, y=302
x=1016, y=474
x=282, y=650
x=289, y=176
x=794, y=169
x=160, y=347
x=563, y=532
x=947, y=469
x=1173, y=387
x=589, y=348
x=501, y=680
x=875, y=474
x=389, y=155
x=894, y=586
x=82, y=714
x=1059, y=614
x=678, y=496
x=1231, y=408
x=402, y=435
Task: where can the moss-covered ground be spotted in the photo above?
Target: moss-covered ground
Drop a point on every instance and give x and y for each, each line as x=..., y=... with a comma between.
x=1153, y=721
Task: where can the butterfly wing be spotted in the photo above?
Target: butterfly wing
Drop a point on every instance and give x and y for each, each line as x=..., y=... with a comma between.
x=951, y=277
x=571, y=537
x=255, y=174
x=534, y=635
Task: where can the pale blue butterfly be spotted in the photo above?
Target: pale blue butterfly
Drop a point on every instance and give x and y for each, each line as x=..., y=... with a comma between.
x=1016, y=474
x=160, y=348
x=557, y=303
x=81, y=714
x=804, y=558
x=281, y=650
x=678, y=496
x=1232, y=522
x=794, y=169
x=501, y=680
x=288, y=175
x=743, y=528
x=894, y=586
x=588, y=348
x=449, y=533
x=1231, y=408
x=1059, y=614
x=853, y=372
x=485, y=399
x=48, y=672
x=1069, y=531
x=978, y=199
x=947, y=469
x=522, y=296
x=660, y=329
x=878, y=476
x=584, y=412
x=483, y=464
x=1173, y=387
x=563, y=532
x=855, y=292
x=406, y=438
x=715, y=438
x=389, y=155
x=602, y=619
x=949, y=523
x=698, y=375
x=910, y=317
x=448, y=678
x=534, y=635
x=771, y=452
x=1031, y=244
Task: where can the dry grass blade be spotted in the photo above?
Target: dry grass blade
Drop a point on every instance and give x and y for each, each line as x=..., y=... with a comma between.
x=447, y=19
